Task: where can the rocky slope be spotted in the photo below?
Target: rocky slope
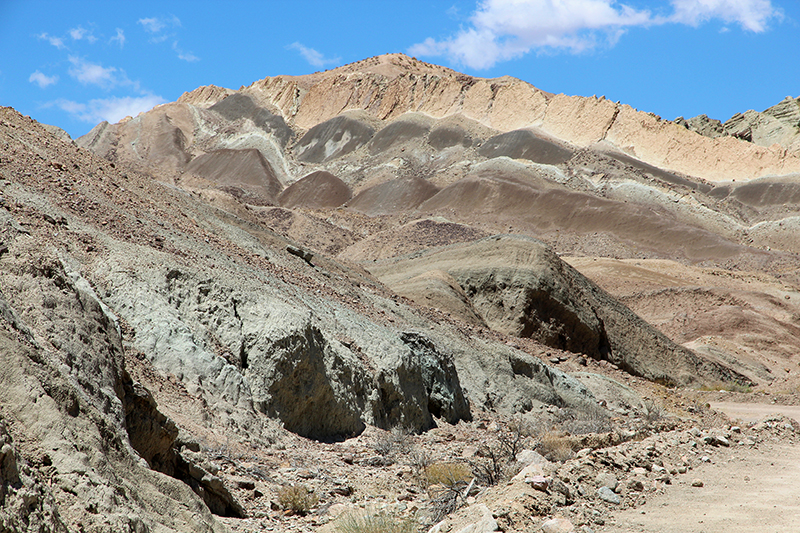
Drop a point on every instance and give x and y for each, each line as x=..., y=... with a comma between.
x=399, y=145
x=101, y=266
x=778, y=125
x=232, y=286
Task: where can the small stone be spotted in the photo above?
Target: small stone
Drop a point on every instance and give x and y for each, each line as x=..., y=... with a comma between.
x=635, y=485
x=561, y=487
x=608, y=495
x=345, y=490
x=558, y=525
x=530, y=471
x=605, y=479
x=538, y=482
x=705, y=459
x=697, y=483
x=527, y=457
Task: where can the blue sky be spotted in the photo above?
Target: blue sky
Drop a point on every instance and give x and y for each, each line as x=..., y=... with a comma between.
x=75, y=63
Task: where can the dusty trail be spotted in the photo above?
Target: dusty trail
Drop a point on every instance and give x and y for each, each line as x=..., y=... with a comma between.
x=753, y=412
x=744, y=489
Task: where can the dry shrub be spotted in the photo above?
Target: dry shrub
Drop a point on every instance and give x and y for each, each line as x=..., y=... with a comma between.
x=374, y=523
x=555, y=447
x=419, y=459
x=584, y=419
x=391, y=443
x=653, y=412
x=448, y=474
x=297, y=499
x=514, y=438
x=497, y=459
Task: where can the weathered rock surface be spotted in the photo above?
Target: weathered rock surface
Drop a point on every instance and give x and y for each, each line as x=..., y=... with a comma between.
x=237, y=317
x=123, y=267
x=86, y=426
x=779, y=124
x=520, y=287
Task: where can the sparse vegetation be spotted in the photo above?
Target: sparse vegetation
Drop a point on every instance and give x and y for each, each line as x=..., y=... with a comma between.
x=513, y=440
x=374, y=523
x=297, y=498
x=498, y=460
x=492, y=467
x=448, y=499
x=419, y=459
x=392, y=443
x=448, y=474
x=653, y=412
x=555, y=447
x=588, y=418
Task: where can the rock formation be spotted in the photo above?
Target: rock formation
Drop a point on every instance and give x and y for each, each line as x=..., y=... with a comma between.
x=360, y=250
x=777, y=125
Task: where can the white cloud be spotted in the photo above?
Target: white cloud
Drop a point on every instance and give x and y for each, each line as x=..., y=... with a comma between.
x=80, y=33
x=152, y=25
x=110, y=109
x=185, y=56
x=58, y=42
x=155, y=24
x=752, y=15
x=313, y=57
x=119, y=37
x=504, y=29
x=42, y=80
x=92, y=74
x=500, y=30
x=159, y=27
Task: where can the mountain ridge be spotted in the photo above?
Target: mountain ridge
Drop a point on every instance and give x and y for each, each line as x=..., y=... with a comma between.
x=283, y=286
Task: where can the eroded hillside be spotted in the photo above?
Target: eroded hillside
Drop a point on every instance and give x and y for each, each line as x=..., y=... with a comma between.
x=275, y=277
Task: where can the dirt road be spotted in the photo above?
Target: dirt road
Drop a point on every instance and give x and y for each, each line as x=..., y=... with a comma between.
x=753, y=412
x=744, y=489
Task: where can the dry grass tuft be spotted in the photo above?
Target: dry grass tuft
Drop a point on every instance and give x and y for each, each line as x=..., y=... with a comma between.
x=555, y=447
x=374, y=523
x=297, y=499
x=448, y=474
